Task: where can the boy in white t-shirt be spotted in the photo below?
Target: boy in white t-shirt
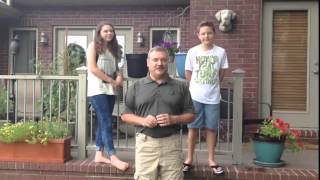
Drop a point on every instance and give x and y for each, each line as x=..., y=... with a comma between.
x=204, y=70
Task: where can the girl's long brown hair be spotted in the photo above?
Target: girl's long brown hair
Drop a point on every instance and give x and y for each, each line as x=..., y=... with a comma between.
x=101, y=45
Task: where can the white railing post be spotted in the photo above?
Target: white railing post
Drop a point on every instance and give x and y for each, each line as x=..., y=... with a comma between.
x=238, y=75
x=82, y=112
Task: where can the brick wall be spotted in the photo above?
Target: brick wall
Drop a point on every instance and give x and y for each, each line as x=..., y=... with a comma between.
x=139, y=17
x=242, y=43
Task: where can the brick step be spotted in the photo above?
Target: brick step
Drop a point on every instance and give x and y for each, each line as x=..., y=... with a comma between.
x=87, y=169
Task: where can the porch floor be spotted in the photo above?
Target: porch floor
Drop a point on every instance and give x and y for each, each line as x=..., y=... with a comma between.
x=302, y=165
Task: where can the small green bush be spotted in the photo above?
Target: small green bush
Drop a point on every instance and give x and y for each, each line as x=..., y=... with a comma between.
x=33, y=132
x=3, y=102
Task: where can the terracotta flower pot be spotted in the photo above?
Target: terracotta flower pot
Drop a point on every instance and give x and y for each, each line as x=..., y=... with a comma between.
x=56, y=151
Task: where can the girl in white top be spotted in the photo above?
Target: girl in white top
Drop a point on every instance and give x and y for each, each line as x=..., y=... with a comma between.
x=104, y=79
x=106, y=63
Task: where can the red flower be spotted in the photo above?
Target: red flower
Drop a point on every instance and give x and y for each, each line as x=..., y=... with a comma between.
x=277, y=128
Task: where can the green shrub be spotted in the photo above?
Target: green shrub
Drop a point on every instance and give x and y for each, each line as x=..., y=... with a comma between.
x=3, y=102
x=33, y=132
x=54, y=101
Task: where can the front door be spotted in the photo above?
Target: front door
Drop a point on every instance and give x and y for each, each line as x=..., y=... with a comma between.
x=70, y=35
x=82, y=36
x=290, y=60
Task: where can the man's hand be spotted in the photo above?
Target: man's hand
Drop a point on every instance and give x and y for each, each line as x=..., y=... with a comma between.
x=149, y=121
x=165, y=120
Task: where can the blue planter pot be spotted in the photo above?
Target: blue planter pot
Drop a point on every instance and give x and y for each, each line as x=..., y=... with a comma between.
x=180, y=59
x=268, y=152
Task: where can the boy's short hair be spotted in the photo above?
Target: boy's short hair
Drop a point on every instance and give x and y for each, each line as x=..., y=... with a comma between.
x=206, y=23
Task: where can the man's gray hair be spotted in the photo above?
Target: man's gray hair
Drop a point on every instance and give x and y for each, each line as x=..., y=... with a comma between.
x=158, y=49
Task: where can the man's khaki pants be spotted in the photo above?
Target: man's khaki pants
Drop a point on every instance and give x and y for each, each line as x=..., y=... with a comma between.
x=158, y=158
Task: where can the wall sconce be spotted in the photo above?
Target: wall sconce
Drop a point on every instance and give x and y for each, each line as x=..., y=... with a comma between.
x=140, y=39
x=43, y=39
x=14, y=45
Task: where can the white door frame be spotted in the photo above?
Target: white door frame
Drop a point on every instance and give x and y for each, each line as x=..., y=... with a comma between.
x=309, y=118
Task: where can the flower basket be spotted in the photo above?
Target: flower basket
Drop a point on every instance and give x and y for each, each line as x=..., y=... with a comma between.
x=170, y=46
x=56, y=151
x=269, y=142
x=31, y=141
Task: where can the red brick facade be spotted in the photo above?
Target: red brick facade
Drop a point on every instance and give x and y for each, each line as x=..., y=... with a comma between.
x=242, y=43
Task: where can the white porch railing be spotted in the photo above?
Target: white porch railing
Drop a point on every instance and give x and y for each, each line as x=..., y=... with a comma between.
x=64, y=97
x=33, y=97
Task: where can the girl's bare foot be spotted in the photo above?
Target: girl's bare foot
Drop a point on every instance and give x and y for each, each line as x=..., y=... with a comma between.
x=116, y=162
x=100, y=158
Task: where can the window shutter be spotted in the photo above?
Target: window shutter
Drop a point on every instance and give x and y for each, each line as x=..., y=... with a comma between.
x=289, y=60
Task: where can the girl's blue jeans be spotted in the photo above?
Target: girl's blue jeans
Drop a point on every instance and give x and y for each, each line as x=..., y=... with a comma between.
x=103, y=105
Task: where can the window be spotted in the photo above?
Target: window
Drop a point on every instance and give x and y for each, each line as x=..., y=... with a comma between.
x=289, y=65
x=158, y=34
x=25, y=59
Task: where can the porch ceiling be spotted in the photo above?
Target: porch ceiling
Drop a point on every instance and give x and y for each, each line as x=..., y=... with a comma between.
x=7, y=11
x=97, y=2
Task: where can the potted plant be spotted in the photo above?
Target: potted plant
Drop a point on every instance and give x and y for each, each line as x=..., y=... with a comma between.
x=180, y=63
x=137, y=65
x=172, y=48
x=269, y=142
x=31, y=141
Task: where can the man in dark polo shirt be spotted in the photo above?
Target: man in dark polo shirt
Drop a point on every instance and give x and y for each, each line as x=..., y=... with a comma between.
x=158, y=105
